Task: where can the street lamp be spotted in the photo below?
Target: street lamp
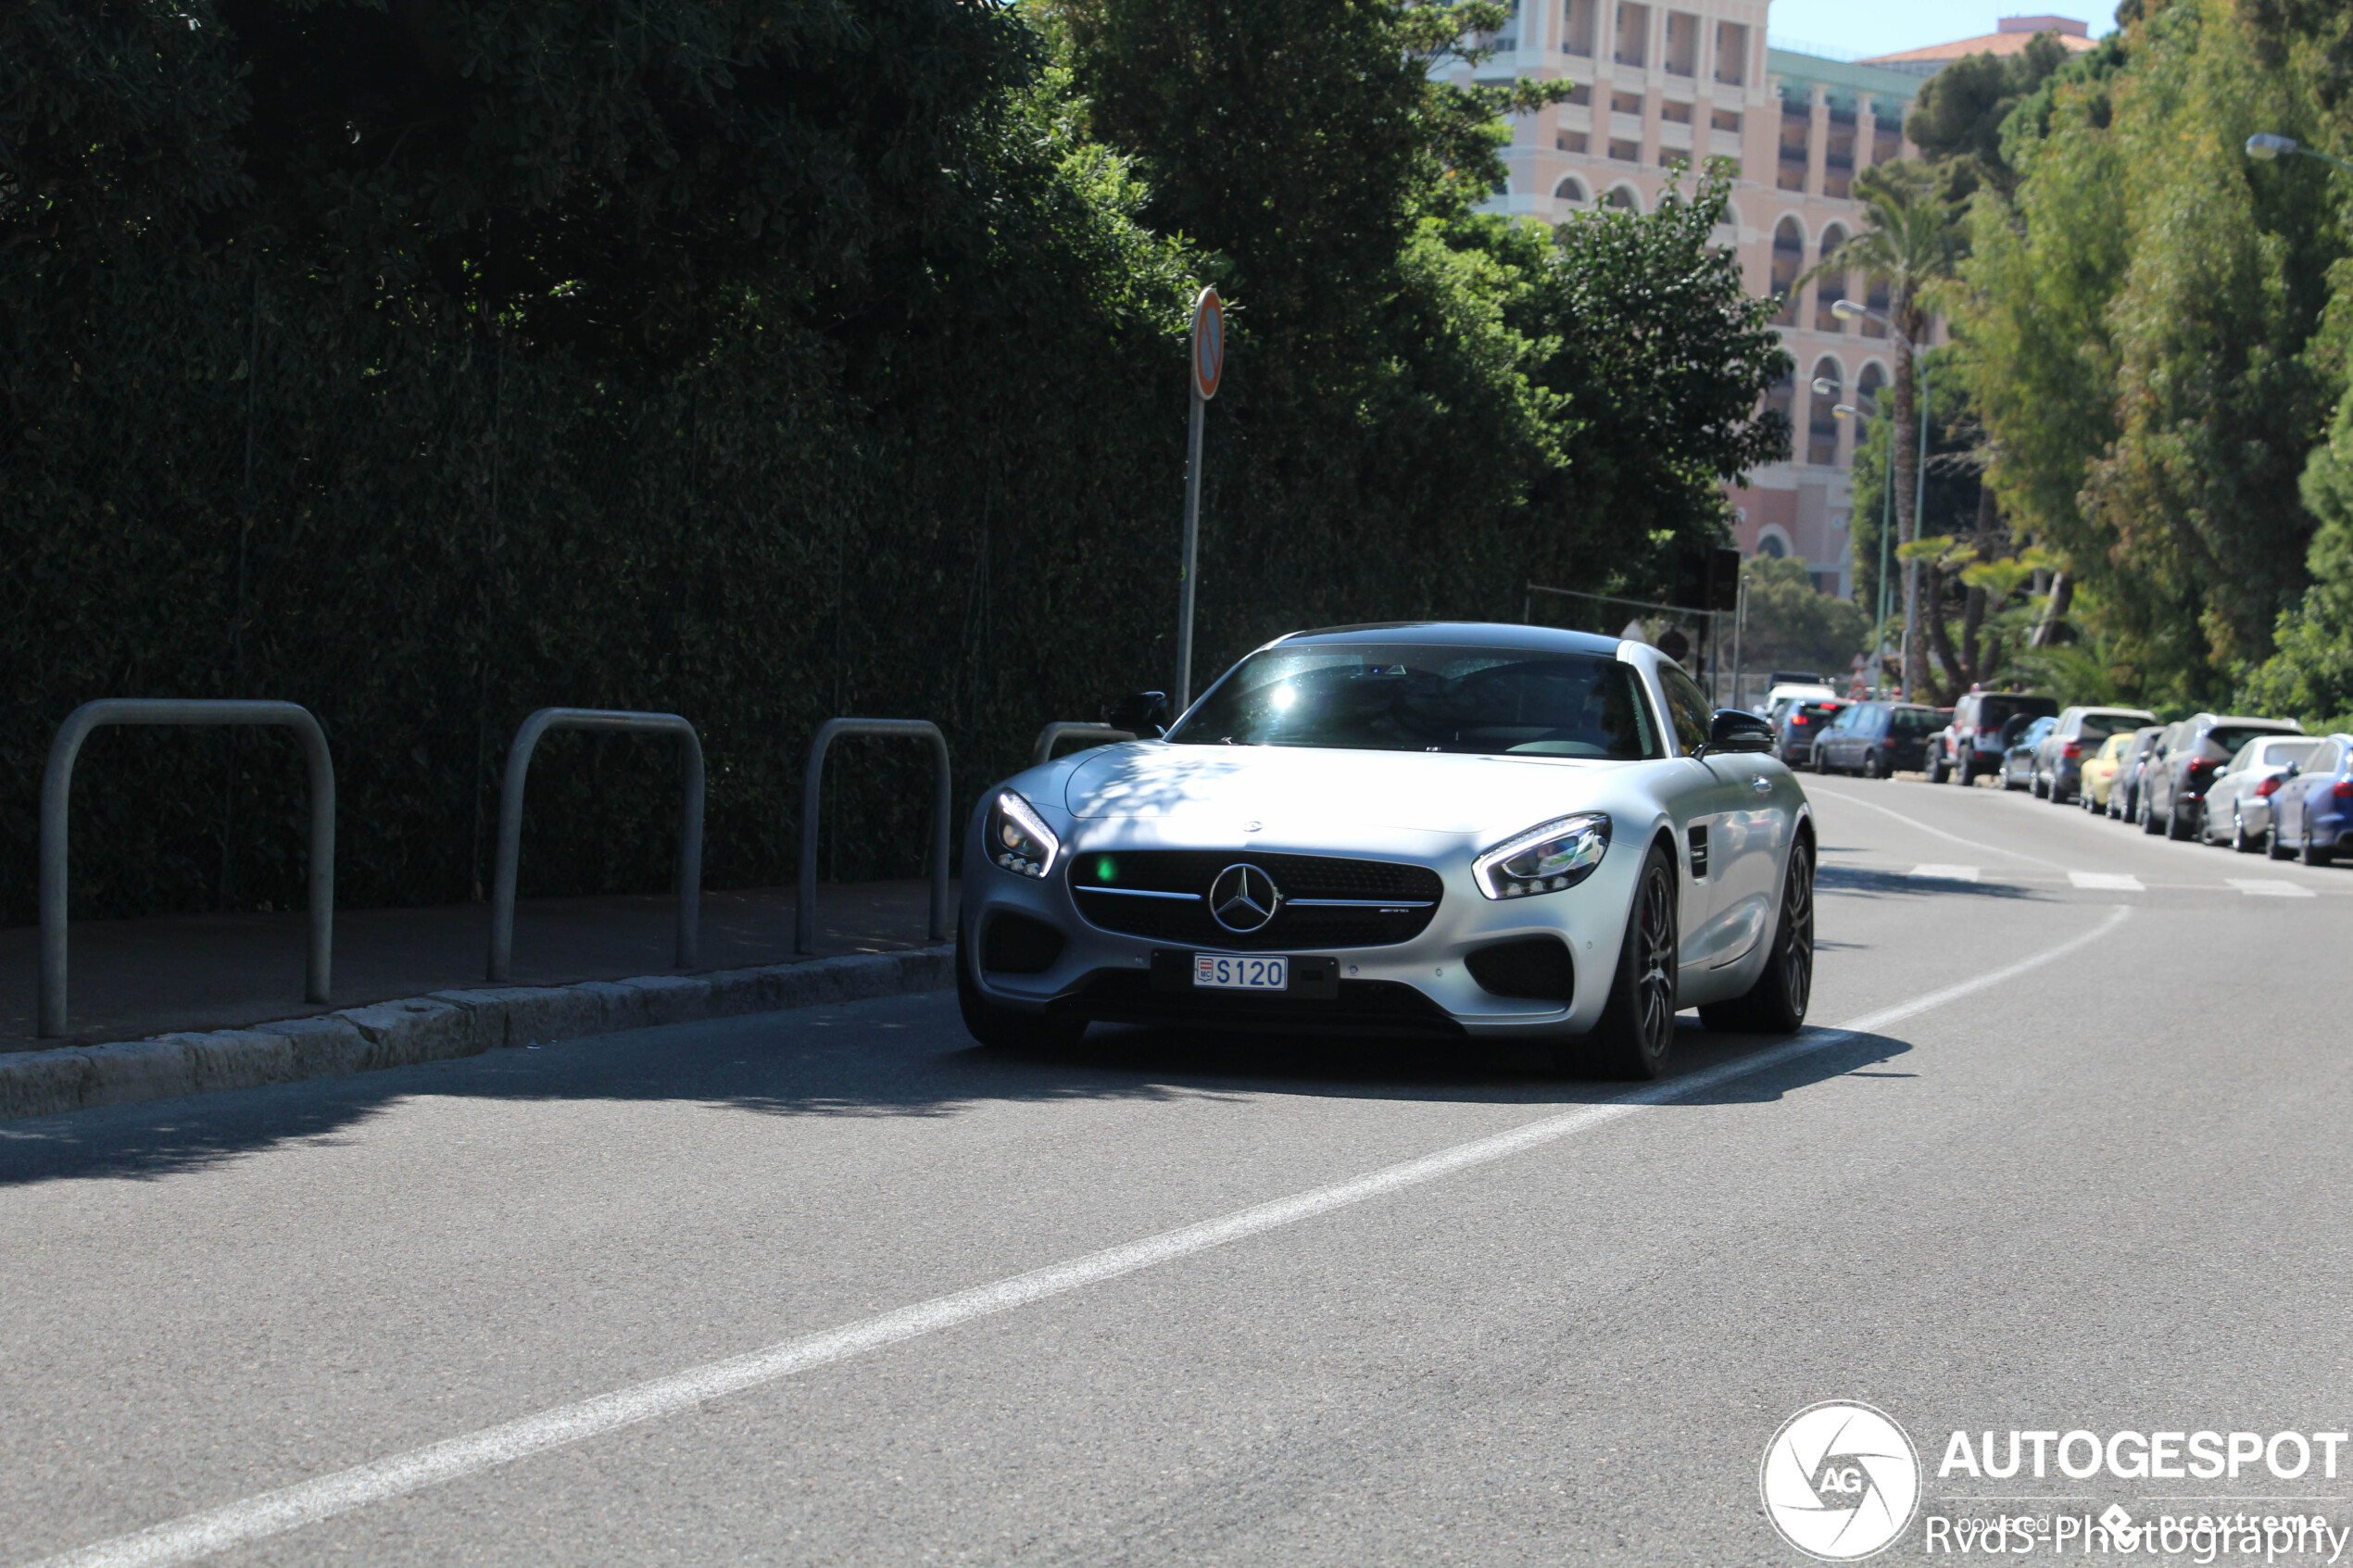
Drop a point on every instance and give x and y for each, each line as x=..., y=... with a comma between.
x=2263, y=147
x=1886, y=528
x=1847, y=311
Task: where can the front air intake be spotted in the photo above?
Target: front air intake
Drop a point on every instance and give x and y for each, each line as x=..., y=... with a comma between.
x=1017, y=945
x=1535, y=968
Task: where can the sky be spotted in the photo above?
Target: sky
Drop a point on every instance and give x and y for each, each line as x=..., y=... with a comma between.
x=1854, y=27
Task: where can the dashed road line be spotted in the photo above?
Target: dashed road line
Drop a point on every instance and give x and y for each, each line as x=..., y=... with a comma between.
x=2265, y=887
x=2108, y=882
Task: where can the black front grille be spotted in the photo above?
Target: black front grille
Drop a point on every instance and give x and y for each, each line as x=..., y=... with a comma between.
x=1187, y=921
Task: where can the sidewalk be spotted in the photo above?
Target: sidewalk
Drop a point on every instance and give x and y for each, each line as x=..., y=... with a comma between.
x=134, y=978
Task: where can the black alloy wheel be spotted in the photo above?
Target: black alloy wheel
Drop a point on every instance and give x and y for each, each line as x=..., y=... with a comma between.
x=1637, y=1028
x=1777, y=1003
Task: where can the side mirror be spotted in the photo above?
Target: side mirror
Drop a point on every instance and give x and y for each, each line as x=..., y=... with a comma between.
x=1145, y=715
x=1733, y=730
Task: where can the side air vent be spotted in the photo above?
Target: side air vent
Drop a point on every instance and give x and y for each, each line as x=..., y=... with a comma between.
x=1534, y=967
x=1699, y=854
x=1017, y=945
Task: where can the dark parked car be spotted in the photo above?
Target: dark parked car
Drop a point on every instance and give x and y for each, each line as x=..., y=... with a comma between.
x=1876, y=739
x=1973, y=743
x=2189, y=754
x=1800, y=723
x=2058, y=762
x=2123, y=794
x=2024, y=738
x=2312, y=808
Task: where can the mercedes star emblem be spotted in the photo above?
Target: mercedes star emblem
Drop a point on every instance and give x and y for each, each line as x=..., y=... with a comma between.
x=1243, y=898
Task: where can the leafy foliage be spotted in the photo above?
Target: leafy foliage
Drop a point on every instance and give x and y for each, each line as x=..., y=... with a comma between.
x=1790, y=625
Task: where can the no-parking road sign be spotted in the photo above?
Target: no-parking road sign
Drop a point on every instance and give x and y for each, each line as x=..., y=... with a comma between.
x=1209, y=343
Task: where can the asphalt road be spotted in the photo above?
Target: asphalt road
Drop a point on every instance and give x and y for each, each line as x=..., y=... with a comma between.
x=2105, y=1192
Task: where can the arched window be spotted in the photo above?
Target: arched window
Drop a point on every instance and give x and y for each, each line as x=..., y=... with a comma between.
x=1877, y=300
x=1782, y=396
x=1772, y=545
x=1868, y=387
x=1728, y=233
x=1789, y=260
x=1821, y=425
x=1830, y=286
x=1623, y=198
x=1571, y=190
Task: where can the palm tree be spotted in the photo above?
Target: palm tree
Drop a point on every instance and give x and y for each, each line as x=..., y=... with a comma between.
x=1910, y=243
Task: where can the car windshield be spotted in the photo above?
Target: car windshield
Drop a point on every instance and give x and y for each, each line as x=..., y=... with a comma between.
x=2289, y=752
x=1918, y=721
x=2099, y=726
x=2228, y=738
x=1402, y=697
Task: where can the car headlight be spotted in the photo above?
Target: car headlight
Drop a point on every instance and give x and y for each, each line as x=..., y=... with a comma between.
x=1019, y=839
x=1545, y=859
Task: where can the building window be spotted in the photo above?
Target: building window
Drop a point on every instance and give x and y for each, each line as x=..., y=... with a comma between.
x=1673, y=112
x=1571, y=142
x=1797, y=135
x=1830, y=286
x=1838, y=153
x=1821, y=425
x=1725, y=119
x=1623, y=199
x=1683, y=43
x=1624, y=103
x=1633, y=35
x=1887, y=135
x=1569, y=190
x=1731, y=53
x=1770, y=544
x=1789, y=260
x=1581, y=95
x=1877, y=300
x=1577, y=28
x=1625, y=152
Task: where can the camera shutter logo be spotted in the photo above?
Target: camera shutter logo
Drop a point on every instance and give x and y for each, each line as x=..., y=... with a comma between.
x=1841, y=1481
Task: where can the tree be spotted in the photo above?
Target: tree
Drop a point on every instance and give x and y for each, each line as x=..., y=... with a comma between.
x=1788, y=624
x=1957, y=118
x=1908, y=243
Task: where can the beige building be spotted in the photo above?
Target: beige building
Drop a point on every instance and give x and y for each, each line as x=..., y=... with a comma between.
x=1685, y=81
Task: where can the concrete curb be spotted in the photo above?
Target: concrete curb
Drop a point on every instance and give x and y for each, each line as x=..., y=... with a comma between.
x=439, y=1027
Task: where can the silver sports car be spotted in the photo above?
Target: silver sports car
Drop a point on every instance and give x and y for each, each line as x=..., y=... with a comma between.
x=1449, y=830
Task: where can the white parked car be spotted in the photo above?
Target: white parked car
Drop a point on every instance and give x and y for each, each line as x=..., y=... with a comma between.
x=2239, y=801
x=1445, y=830
x=1810, y=691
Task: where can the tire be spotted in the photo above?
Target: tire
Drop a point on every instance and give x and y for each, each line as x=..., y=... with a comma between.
x=2147, y=819
x=2176, y=828
x=1872, y=769
x=1820, y=761
x=2008, y=782
x=1777, y=1003
x=1636, y=1029
x=1968, y=772
x=1004, y=1028
x=2276, y=850
x=2035, y=785
x=2313, y=854
x=1937, y=772
x=2239, y=841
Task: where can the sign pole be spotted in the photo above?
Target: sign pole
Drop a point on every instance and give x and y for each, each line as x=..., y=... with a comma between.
x=1208, y=366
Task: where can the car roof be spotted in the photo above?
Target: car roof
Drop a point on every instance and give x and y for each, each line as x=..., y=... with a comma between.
x=1460, y=634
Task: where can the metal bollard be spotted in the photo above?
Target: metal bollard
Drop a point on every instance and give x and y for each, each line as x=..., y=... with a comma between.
x=502, y=896
x=56, y=784
x=805, y=899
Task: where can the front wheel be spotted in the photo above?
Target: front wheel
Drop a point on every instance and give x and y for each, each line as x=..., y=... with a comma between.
x=2178, y=826
x=2274, y=847
x=1776, y=1004
x=2150, y=825
x=1937, y=772
x=2240, y=839
x=2035, y=785
x=1637, y=1027
x=2315, y=854
x=1872, y=767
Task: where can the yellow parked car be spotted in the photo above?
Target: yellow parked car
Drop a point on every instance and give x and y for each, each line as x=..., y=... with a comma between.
x=2099, y=773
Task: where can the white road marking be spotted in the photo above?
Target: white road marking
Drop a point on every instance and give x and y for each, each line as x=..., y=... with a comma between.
x=1945, y=874
x=306, y=1502
x=1916, y=822
x=2264, y=887
x=2106, y=881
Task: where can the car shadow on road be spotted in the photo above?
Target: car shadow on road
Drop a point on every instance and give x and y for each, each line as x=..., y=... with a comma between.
x=897, y=1058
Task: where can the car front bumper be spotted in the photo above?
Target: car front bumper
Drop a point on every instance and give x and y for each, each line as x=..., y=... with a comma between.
x=1421, y=986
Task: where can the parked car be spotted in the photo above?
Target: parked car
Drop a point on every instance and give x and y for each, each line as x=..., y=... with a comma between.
x=2174, y=781
x=2024, y=738
x=2312, y=805
x=1780, y=693
x=2098, y=776
x=1800, y=723
x=2058, y=762
x=2239, y=801
x=2126, y=788
x=1973, y=743
x=1876, y=739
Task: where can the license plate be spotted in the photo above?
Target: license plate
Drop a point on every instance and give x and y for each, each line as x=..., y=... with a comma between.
x=1226, y=972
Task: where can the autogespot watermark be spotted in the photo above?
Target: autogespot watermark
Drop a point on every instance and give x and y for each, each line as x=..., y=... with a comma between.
x=1841, y=1482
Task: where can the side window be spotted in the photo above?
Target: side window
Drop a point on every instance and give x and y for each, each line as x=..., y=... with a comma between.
x=1686, y=707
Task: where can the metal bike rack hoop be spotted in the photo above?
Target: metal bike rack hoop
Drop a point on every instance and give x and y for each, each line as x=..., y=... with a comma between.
x=56, y=784
x=1055, y=733
x=805, y=899
x=502, y=894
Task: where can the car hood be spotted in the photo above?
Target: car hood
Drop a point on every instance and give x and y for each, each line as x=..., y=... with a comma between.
x=1293, y=788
